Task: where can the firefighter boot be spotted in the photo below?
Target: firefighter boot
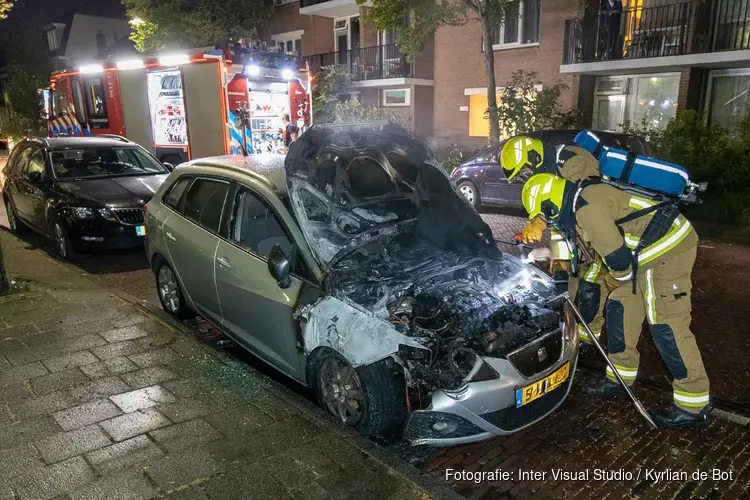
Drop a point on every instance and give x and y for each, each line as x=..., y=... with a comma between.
x=674, y=417
x=603, y=388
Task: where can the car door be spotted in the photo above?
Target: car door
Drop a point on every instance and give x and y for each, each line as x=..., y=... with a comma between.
x=38, y=184
x=192, y=236
x=257, y=311
x=492, y=188
x=15, y=183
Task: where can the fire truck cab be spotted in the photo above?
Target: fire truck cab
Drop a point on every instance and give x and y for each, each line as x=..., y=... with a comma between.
x=182, y=106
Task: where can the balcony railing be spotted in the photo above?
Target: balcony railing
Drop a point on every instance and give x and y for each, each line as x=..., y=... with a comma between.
x=670, y=30
x=368, y=63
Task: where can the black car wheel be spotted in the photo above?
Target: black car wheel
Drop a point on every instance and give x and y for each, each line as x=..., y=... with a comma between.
x=469, y=190
x=15, y=224
x=63, y=244
x=370, y=398
x=170, y=293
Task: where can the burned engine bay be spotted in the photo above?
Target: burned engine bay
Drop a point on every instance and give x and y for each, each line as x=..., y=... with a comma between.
x=398, y=241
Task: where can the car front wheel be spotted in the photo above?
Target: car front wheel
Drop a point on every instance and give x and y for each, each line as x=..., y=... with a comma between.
x=170, y=293
x=471, y=193
x=63, y=244
x=370, y=398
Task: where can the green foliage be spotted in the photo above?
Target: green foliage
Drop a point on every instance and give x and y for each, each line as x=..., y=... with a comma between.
x=331, y=82
x=522, y=108
x=711, y=154
x=165, y=24
x=5, y=6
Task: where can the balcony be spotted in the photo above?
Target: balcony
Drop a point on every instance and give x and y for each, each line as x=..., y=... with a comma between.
x=366, y=64
x=682, y=33
x=329, y=8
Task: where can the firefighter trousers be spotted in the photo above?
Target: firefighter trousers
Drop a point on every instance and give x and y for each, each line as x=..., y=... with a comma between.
x=662, y=296
x=590, y=292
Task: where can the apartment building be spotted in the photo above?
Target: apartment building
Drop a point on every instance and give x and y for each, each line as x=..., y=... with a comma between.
x=644, y=62
x=660, y=56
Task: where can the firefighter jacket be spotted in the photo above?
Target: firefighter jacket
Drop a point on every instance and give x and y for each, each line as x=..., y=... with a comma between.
x=630, y=246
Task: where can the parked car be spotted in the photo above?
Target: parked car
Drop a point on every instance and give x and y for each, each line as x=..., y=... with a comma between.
x=482, y=181
x=356, y=268
x=83, y=193
x=4, y=153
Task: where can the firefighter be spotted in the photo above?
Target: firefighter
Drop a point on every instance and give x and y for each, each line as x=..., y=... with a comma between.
x=575, y=164
x=648, y=250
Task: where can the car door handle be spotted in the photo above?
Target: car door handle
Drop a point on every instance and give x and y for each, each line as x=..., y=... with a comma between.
x=223, y=262
x=171, y=236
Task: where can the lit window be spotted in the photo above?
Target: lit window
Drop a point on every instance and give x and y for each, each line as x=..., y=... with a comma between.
x=396, y=97
x=521, y=25
x=289, y=43
x=52, y=40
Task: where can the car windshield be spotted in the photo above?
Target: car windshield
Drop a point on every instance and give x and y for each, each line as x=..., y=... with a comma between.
x=80, y=163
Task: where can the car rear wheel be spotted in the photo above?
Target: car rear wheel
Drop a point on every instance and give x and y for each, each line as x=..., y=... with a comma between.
x=469, y=190
x=63, y=244
x=370, y=398
x=13, y=222
x=170, y=293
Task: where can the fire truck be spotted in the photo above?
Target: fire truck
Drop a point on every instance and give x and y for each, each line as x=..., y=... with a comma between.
x=182, y=106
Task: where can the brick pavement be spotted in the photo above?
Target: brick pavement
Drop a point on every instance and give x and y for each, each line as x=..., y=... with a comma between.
x=99, y=399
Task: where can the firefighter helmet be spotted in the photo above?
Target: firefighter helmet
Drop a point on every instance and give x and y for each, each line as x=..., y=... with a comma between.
x=542, y=195
x=520, y=152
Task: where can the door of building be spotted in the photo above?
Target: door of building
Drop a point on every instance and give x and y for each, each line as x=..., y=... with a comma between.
x=609, y=112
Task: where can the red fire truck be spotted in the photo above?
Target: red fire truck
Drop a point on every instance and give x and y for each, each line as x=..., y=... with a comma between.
x=186, y=105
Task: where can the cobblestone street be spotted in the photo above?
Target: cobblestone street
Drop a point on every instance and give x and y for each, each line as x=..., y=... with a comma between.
x=583, y=435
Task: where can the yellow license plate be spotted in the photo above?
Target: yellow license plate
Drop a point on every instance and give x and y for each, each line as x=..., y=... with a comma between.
x=140, y=230
x=526, y=395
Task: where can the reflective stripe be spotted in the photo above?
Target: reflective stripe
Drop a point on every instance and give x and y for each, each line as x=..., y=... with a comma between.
x=626, y=373
x=584, y=335
x=555, y=236
x=650, y=298
x=665, y=244
x=561, y=251
x=627, y=277
x=593, y=271
x=692, y=399
x=639, y=203
x=631, y=241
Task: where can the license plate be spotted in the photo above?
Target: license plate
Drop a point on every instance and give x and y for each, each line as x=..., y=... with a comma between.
x=526, y=395
x=140, y=230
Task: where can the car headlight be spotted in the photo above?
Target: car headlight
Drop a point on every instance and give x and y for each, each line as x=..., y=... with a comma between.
x=107, y=214
x=82, y=212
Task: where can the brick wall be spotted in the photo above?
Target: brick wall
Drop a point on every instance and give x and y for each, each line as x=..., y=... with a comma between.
x=459, y=64
x=318, y=36
x=691, y=88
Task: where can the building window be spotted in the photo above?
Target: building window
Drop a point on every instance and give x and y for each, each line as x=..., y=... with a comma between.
x=52, y=40
x=521, y=26
x=277, y=3
x=649, y=100
x=289, y=43
x=396, y=97
x=728, y=97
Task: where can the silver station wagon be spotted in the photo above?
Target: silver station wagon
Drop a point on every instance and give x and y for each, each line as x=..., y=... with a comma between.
x=355, y=267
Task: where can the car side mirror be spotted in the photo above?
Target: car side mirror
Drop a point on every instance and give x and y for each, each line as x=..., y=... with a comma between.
x=279, y=266
x=35, y=177
x=168, y=166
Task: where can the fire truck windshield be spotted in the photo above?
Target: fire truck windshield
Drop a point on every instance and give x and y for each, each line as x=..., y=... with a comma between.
x=82, y=163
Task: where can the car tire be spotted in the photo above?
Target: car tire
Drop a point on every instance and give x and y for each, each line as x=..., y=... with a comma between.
x=63, y=244
x=469, y=191
x=377, y=391
x=169, y=290
x=14, y=222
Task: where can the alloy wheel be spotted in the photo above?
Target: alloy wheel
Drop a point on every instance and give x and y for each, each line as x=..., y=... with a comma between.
x=168, y=289
x=468, y=192
x=61, y=241
x=340, y=389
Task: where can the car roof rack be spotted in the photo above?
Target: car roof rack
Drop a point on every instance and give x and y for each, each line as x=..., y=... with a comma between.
x=115, y=136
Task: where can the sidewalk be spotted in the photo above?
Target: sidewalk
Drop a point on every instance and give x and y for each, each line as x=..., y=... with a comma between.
x=101, y=399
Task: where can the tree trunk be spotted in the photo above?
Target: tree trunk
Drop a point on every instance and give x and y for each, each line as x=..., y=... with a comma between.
x=4, y=284
x=489, y=66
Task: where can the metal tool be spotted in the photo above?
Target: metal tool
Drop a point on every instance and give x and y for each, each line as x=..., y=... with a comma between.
x=599, y=348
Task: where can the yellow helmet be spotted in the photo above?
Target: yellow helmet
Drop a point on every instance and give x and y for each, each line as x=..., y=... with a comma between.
x=519, y=152
x=542, y=195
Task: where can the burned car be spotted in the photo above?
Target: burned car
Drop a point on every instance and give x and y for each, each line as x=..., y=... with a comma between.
x=358, y=269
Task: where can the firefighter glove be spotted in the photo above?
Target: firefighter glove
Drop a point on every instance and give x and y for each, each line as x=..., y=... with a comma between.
x=533, y=231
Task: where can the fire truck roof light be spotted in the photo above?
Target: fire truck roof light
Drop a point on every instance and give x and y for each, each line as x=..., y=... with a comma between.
x=252, y=70
x=91, y=68
x=174, y=59
x=287, y=74
x=130, y=64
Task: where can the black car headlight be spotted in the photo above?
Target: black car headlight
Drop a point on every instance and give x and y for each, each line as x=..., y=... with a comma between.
x=82, y=212
x=107, y=214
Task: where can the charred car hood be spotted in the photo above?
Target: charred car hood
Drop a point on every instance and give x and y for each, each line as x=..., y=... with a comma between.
x=395, y=237
x=125, y=191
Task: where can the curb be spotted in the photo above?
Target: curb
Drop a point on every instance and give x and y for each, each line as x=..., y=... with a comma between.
x=430, y=485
